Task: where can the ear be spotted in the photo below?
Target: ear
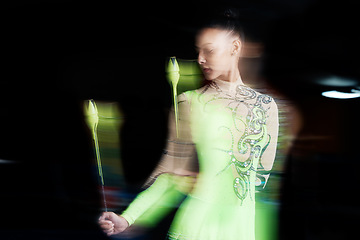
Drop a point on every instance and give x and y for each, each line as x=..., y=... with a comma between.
x=236, y=47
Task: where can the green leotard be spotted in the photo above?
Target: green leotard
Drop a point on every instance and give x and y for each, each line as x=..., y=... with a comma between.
x=233, y=130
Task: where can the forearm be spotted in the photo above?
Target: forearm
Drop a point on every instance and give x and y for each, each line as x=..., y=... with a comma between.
x=153, y=203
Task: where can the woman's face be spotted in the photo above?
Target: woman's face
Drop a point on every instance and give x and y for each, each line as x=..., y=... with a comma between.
x=218, y=52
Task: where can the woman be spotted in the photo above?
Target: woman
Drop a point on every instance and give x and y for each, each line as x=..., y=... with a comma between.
x=233, y=131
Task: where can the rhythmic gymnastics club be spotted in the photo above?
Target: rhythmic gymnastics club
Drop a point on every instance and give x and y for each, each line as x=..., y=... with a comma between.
x=173, y=76
x=93, y=118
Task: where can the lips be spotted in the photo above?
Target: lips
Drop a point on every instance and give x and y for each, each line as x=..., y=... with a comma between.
x=206, y=70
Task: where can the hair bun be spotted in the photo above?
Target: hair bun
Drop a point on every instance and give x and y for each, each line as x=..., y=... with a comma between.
x=230, y=13
x=226, y=19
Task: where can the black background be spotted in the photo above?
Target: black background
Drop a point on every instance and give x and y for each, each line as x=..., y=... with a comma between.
x=58, y=53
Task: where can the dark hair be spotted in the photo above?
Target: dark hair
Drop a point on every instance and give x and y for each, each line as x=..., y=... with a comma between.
x=226, y=19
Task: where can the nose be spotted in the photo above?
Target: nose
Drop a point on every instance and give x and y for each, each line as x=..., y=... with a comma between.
x=201, y=59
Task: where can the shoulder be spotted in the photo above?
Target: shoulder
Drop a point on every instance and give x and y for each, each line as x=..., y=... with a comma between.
x=265, y=98
x=183, y=98
x=187, y=97
x=270, y=103
x=245, y=93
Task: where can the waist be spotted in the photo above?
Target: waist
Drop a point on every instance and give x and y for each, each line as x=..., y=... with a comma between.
x=219, y=189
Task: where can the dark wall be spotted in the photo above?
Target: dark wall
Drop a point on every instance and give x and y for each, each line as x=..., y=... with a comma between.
x=62, y=52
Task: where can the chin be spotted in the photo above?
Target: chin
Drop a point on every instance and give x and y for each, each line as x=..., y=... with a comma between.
x=210, y=77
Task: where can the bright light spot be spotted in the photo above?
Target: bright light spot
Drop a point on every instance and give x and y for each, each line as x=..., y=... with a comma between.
x=3, y=161
x=336, y=81
x=341, y=95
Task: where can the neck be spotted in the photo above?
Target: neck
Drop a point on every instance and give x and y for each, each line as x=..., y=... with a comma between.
x=233, y=75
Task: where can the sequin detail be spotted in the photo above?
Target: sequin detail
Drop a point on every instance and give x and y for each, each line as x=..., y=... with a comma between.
x=254, y=138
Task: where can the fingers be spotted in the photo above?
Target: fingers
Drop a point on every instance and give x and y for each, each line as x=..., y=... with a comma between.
x=107, y=216
x=107, y=226
x=104, y=215
x=111, y=223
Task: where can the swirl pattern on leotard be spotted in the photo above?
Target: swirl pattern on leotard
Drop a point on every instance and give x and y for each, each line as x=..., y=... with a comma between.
x=253, y=140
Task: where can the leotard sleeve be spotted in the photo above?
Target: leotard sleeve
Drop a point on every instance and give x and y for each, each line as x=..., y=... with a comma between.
x=173, y=177
x=268, y=156
x=151, y=205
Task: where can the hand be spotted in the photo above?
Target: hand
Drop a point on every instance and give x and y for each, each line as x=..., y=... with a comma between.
x=112, y=223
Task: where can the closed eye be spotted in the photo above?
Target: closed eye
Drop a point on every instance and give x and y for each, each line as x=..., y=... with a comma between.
x=209, y=50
